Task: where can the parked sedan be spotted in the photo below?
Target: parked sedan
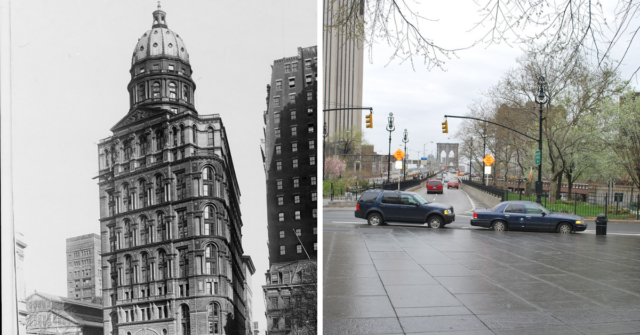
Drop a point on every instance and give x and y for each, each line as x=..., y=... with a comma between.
x=453, y=183
x=434, y=186
x=526, y=215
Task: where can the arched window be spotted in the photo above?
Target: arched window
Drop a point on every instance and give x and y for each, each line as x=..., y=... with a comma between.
x=185, y=320
x=144, y=145
x=162, y=265
x=172, y=90
x=162, y=227
x=194, y=135
x=159, y=139
x=210, y=136
x=128, y=150
x=213, y=316
x=146, y=269
x=141, y=94
x=128, y=234
x=128, y=270
x=181, y=134
x=143, y=193
x=209, y=221
x=211, y=260
x=144, y=231
x=127, y=198
x=159, y=190
x=184, y=263
x=155, y=89
x=185, y=93
x=208, y=181
x=175, y=136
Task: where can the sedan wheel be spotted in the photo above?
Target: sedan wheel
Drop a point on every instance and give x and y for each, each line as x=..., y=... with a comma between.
x=499, y=226
x=375, y=219
x=564, y=228
x=435, y=222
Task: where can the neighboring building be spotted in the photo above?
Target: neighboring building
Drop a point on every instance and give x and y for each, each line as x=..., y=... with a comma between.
x=249, y=270
x=290, y=155
x=343, y=60
x=170, y=220
x=21, y=289
x=50, y=314
x=84, y=272
x=256, y=329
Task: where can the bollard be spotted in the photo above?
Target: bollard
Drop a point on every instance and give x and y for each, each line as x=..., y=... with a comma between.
x=601, y=224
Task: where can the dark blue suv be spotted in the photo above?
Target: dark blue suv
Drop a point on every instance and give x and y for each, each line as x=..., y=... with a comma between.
x=380, y=206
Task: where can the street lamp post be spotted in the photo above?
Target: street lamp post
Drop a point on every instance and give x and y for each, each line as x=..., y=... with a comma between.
x=541, y=99
x=484, y=151
x=390, y=127
x=324, y=146
x=405, y=139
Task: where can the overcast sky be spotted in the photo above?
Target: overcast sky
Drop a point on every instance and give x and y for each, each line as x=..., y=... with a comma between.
x=70, y=69
x=419, y=99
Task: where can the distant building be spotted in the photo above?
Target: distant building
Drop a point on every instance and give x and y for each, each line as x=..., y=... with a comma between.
x=170, y=219
x=290, y=155
x=256, y=329
x=50, y=314
x=84, y=273
x=21, y=290
x=343, y=61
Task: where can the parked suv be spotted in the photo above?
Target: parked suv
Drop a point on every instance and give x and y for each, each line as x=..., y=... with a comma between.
x=380, y=206
x=434, y=186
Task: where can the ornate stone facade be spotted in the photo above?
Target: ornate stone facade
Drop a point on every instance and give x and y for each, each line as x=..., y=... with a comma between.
x=172, y=257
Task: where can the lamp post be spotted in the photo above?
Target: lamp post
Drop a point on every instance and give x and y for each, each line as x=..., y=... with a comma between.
x=541, y=99
x=484, y=151
x=405, y=139
x=390, y=127
x=324, y=146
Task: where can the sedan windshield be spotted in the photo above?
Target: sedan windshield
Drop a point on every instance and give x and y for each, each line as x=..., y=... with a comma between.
x=420, y=199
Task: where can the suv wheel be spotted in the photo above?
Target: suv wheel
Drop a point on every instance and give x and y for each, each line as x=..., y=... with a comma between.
x=435, y=222
x=375, y=219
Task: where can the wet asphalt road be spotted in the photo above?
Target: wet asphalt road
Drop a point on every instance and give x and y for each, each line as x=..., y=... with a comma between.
x=399, y=279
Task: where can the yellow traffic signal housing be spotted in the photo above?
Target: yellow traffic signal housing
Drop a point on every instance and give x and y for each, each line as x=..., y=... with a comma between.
x=445, y=127
x=369, y=120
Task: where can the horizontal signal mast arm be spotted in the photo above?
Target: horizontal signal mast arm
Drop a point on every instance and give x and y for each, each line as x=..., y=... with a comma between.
x=497, y=124
x=345, y=108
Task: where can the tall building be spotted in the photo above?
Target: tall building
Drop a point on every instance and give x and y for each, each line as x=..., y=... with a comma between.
x=289, y=154
x=170, y=220
x=343, y=58
x=84, y=273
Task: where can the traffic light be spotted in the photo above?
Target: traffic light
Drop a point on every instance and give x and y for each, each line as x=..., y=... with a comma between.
x=445, y=127
x=369, y=120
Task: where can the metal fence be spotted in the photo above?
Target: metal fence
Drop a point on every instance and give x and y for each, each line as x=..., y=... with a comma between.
x=618, y=206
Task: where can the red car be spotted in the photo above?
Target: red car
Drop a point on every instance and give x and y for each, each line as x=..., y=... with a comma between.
x=434, y=186
x=453, y=183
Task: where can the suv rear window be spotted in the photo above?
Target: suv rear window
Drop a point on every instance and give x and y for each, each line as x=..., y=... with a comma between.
x=434, y=182
x=369, y=197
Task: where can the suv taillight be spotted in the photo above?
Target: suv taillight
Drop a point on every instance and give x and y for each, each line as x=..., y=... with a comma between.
x=475, y=215
x=357, y=207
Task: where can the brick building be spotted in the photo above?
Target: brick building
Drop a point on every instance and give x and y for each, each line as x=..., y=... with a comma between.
x=84, y=273
x=172, y=257
x=290, y=156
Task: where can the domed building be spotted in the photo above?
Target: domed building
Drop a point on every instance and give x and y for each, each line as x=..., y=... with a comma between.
x=171, y=228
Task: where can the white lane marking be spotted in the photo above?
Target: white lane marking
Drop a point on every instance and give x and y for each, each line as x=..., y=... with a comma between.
x=593, y=232
x=345, y=222
x=464, y=216
x=473, y=206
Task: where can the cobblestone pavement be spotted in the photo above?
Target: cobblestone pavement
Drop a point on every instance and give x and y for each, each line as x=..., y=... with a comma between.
x=403, y=279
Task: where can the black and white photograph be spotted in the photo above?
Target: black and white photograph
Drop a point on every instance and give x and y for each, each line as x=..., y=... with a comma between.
x=161, y=167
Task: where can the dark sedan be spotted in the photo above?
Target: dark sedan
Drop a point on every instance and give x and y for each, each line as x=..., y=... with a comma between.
x=526, y=215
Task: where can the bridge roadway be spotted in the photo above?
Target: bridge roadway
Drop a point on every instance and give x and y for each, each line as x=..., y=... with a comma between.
x=407, y=279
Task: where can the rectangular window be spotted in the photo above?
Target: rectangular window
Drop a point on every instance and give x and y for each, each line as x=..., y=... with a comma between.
x=308, y=79
x=282, y=250
x=282, y=234
x=312, y=160
x=313, y=180
x=293, y=115
x=315, y=230
x=311, y=129
x=296, y=182
x=309, y=111
x=278, y=85
x=278, y=149
x=276, y=101
x=295, y=163
x=294, y=131
x=278, y=166
x=280, y=200
x=315, y=246
x=312, y=144
x=209, y=288
x=307, y=63
x=171, y=67
x=314, y=196
x=292, y=82
x=297, y=213
x=294, y=147
x=294, y=66
x=277, y=131
x=299, y=248
x=292, y=97
x=298, y=232
x=315, y=213
x=296, y=198
x=276, y=118
x=287, y=68
x=309, y=96
x=280, y=217
x=279, y=184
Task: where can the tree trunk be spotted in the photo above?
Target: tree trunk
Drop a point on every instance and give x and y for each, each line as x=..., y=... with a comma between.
x=559, y=188
x=569, y=184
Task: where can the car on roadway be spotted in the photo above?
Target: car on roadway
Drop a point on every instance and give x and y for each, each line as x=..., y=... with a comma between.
x=526, y=215
x=434, y=186
x=381, y=206
x=446, y=180
x=453, y=183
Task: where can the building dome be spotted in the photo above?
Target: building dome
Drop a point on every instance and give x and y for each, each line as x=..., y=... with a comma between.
x=160, y=42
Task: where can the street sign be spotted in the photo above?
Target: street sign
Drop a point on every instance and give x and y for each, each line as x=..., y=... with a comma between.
x=487, y=170
x=618, y=197
x=399, y=165
x=538, y=157
x=423, y=158
x=398, y=154
x=488, y=160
